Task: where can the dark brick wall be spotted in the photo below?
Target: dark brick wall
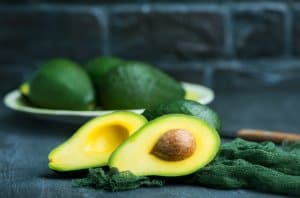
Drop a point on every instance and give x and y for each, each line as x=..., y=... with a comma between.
x=168, y=33
x=38, y=33
x=150, y=32
x=219, y=43
x=259, y=31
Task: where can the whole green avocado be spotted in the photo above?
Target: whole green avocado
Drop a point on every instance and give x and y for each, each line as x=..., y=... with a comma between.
x=98, y=67
x=61, y=84
x=135, y=85
x=188, y=107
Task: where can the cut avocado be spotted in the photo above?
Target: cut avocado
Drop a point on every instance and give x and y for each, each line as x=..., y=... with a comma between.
x=171, y=145
x=93, y=143
x=61, y=84
x=137, y=85
x=188, y=107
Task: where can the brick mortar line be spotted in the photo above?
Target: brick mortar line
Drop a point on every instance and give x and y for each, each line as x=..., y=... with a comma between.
x=289, y=19
x=240, y=6
x=50, y=7
x=228, y=33
x=166, y=6
x=103, y=21
x=280, y=63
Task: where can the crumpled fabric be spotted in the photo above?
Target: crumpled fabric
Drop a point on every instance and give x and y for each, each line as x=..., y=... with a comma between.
x=239, y=164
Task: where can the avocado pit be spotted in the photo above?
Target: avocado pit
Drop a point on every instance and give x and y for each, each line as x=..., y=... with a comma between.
x=175, y=145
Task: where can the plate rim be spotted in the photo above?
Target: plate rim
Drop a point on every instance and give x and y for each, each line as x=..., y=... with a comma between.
x=11, y=97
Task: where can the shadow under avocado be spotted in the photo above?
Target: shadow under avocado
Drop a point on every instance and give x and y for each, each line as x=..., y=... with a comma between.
x=65, y=175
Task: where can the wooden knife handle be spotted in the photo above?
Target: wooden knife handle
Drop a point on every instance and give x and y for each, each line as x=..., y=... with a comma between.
x=262, y=135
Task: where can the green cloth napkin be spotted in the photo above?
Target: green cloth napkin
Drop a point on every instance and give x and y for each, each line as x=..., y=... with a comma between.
x=239, y=164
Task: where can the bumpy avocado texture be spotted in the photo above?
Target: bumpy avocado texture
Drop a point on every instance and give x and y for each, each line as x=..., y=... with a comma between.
x=171, y=145
x=188, y=107
x=97, y=68
x=61, y=84
x=92, y=144
x=135, y=85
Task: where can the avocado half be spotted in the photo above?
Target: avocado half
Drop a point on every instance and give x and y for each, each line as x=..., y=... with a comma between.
x=155, y=148
x=92, y=144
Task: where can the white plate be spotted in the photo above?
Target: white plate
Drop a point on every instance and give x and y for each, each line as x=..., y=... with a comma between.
x=14, y=101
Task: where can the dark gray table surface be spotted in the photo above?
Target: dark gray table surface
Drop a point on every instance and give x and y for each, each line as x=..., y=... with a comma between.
x=25, y=143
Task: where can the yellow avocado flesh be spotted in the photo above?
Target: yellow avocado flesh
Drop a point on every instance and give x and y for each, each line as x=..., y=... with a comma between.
x=135, y=153
x=93, y=143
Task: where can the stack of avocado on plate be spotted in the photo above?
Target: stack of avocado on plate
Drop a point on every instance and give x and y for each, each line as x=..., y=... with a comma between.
x=105, y=82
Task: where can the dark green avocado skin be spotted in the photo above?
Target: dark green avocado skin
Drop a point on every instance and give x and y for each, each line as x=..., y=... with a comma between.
x=188, y=107
x=61, y=84
x=136, y=85
x=97, y=68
